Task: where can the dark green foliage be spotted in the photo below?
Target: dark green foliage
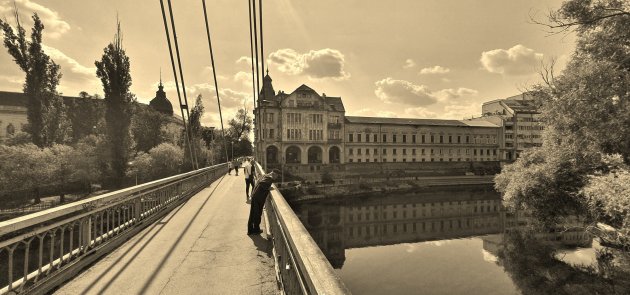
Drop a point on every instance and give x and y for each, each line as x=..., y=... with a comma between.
x=86, y=114
x=113, y=70
x=46, y=112
x=586, y=113
x=146, y=128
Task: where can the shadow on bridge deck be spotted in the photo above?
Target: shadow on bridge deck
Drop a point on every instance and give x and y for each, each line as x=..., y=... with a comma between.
x=201, y=247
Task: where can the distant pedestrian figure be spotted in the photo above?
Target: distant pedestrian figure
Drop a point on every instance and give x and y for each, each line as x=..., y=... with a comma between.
x=230, y=168
x=259, y=196
x=236, y=166
x=249, y=171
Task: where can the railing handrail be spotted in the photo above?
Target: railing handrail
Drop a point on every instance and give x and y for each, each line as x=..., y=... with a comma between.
x=107, y=199
x=315, y=268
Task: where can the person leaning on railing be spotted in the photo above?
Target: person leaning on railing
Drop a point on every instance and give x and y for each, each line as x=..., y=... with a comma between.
x=259, y=196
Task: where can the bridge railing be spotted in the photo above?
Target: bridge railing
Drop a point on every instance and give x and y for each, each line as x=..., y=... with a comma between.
x=301, y=266
x=42, y=250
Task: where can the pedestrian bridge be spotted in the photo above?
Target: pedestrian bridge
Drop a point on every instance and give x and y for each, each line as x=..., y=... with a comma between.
x=185, y=234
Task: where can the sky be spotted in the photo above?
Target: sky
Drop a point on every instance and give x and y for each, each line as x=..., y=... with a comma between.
x=397, y=58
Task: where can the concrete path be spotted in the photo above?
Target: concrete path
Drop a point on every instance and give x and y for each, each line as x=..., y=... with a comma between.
x=200, y=247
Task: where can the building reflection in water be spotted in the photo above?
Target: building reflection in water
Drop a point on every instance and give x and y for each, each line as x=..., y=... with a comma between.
x=425, y=216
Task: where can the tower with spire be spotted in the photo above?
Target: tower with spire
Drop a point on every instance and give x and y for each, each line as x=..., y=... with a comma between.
x=160, y=103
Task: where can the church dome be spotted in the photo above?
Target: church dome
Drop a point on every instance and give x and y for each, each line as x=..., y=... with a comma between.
x=160, y=103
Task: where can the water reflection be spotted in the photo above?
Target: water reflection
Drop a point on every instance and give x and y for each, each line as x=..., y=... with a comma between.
x=456, y=240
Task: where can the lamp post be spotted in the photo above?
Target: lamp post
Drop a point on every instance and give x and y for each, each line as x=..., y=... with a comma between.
x=232, y=142
x=135, y=170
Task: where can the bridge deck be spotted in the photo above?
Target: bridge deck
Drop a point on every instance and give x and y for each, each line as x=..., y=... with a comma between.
x=201, y=247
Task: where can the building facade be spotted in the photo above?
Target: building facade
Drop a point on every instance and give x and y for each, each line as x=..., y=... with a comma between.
x=519, y=119
x=12, y=113
x=306, y=132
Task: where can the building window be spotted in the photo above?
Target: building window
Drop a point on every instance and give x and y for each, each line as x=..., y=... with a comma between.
x=404, y=138
x=375, y=151
x=467, y=139
x=394, y=151
x=358, y=137
x=413, y=152
x=394, y=138
x=404, y=151
x=294, y=133
x=294, y=118
x=384, y=151
x=350, y=137
x=413, y=138
x=271, y=134
x=350, y=161
x=317, y=118
x=367, y=152
x=422, y=151
x=450, y=139
x=359, y=152
x=423, y=138
x=384, y=137
x=367, y=138
x=459, y=139
x=375, y=137
x=269, y=118
x=432, y=139
x=441, y=139
x=394, y=160
x=359, y=160
x=350, y=151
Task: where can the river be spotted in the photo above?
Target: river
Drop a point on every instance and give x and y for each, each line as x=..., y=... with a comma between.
x=457, y=240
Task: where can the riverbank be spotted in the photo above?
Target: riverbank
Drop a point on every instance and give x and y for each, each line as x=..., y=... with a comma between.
x=364, y=186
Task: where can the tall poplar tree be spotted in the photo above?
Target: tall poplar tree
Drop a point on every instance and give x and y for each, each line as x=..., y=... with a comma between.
x=46, y=116
x=113, y=70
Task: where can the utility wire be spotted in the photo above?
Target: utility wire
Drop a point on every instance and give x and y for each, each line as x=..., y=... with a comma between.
x=181, y=75
x=214, y=74
x=170, y=51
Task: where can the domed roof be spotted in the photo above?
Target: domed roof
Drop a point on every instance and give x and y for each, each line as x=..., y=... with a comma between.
x=160, y=103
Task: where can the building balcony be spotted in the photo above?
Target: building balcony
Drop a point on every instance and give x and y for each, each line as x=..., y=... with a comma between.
x=334, y=125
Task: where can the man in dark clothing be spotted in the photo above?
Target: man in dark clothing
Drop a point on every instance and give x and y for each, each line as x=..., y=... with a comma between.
x=249, y=171
x=259, y=196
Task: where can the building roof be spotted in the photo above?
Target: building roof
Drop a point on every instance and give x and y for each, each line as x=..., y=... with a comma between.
x=160, y=103
x=335, y=103
x=16, y=99
x=410, y=121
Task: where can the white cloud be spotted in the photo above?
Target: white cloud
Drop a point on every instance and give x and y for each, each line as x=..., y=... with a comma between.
x=76, y=77
x=459, y=111
x=368, y=112
x=400, y=91
x=68, y=63
x=244, y=78
x=518, y=60
x=54, y=25
x=434, y=70
x=244, y=60
x=316, y=64
x=420, y=112
x=450, y=93
x=409, y=63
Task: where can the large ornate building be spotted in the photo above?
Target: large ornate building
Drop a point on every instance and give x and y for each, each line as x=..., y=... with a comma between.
x=306, y=131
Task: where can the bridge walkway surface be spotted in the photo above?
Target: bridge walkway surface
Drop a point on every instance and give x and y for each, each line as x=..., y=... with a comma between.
x=201, y=247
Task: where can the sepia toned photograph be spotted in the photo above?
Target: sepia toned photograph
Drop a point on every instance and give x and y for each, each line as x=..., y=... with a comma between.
x=425, y=147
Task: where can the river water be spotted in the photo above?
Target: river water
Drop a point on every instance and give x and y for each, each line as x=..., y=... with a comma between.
x=457, y=240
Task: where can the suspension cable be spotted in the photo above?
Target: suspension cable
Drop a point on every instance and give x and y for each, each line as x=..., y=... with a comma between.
x=170, y=51
x=251, y=52
x=262, y=52
x=214, y=74
x=181, y=75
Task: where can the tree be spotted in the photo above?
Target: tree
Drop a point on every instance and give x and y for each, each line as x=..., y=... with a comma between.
x=161, y=161
x=47, y=122
x=87, y=162
x=113, y=70
x=586, y=113
x=146, y=128
x=241, y=125
x=86, y=115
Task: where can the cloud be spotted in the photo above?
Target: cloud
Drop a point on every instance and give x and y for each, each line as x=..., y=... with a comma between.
x=76, y=77
x=244, y=60
x=244, y=78
x=54, y=25
x=518, y=60
x=420, y=112
x=450, y=93
x=409, y=63
x=459, y=111
x=400, y=91
x=434, y=70
x=368, y=112
x=316, y=64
